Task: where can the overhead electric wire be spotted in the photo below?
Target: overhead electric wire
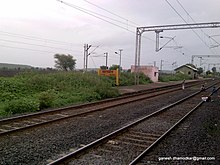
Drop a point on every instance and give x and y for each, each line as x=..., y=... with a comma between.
x=70, y=5
x=187, y=23
x=36, y=38
x=111, y=12
x=36, y=50
x=196, y=22
x=84, y=10
x=28, y=49
x=89, y=11
x=34, y=44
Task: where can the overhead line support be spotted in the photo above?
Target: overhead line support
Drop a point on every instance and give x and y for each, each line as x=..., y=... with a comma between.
x=157, y=29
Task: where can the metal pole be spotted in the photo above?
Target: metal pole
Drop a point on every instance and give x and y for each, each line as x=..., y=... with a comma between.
x=139, y=58
x=87, y=54
x=136, y=56
x=84, y=58
x=120, y=50
x=106, y=60
x=161, y=64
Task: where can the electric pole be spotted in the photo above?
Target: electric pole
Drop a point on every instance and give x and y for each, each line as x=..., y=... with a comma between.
x=106, y=60
x=120, y=50
x=161, y=64
x=86, y=54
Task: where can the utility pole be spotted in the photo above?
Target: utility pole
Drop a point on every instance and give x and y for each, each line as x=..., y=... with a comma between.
x=157, y=39
x=120, y=50
x=106, y=60
x=161, y=64
x=157, y=30
x=86, y=54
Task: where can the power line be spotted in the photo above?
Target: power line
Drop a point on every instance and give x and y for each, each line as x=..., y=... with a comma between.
x=36, y=50
x=82, y=10
x=28, y=49
x=186, y=23
x=196, y=22
x=111, y=12
x=34, y=44
x=35, y=38
x=89, y=13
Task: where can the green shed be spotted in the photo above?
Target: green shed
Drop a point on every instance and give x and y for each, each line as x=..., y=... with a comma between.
x=189, y=70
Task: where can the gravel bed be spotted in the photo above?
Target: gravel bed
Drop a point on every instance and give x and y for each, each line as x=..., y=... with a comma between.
x=194, y=141
x=120, y=152
x=39, y=146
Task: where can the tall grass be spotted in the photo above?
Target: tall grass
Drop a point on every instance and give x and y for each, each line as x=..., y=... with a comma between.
x=174, y=77
x=35, y=91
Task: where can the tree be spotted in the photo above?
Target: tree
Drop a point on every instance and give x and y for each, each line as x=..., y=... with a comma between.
x=208, y=72
x=114, y=67
x=103, y=67
x=214, y=70
x=64, y=62
x=200, y=70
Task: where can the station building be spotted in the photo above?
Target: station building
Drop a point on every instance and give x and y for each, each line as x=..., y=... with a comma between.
x=150, y=71
x=189, y=70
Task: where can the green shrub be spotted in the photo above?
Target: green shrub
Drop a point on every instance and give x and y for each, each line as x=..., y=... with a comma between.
x=46, y=98
x=22, y=105
x=106, y=92
x=7, y=96
x=173, y=77
x=55, y=89
x=144, y=79
x=90, y=96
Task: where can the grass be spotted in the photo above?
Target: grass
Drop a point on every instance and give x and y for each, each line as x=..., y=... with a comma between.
x=173, y=77
x=35, y=91
x=32, y=91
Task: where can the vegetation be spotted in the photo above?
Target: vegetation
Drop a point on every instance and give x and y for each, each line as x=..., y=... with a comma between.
x=200, y=70
x=114, y=67
x=14, y=66
x=64, y=62
x=127, y=79
x=36, y=91
x=174, y=77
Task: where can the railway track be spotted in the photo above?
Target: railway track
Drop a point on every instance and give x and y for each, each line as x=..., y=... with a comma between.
x=129, y=144
x=15, y=124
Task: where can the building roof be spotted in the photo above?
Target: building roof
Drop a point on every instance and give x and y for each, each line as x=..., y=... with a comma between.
x=188, y=66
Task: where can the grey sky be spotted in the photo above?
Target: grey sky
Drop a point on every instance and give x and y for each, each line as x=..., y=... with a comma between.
x=49, y=21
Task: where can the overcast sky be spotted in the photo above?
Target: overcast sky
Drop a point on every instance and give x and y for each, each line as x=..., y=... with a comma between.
x=32, y=31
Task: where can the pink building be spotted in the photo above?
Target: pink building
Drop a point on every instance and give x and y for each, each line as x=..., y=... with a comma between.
x=150, y=71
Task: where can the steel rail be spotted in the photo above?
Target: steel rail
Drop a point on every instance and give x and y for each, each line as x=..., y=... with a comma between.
x=65, y=159
x=96, y=102
x=139, y=157
x=40, y=123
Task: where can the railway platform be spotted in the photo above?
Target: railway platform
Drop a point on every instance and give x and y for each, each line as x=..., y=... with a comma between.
x=135, y=88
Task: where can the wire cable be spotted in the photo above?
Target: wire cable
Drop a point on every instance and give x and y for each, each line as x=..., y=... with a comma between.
x=73, y=6
x=36, y=50
x=187, y=24
x=35, y=44
x=84, y=11
x=35, y=38
x=111, y=12
x=196, y=22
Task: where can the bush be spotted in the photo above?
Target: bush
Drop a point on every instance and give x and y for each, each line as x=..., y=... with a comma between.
x=90, y=96
x=46, y=98
x=21, y=106
x=175, y=77
x=34, y=91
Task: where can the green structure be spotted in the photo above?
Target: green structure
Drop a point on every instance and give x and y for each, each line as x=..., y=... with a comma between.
x=189, y=70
